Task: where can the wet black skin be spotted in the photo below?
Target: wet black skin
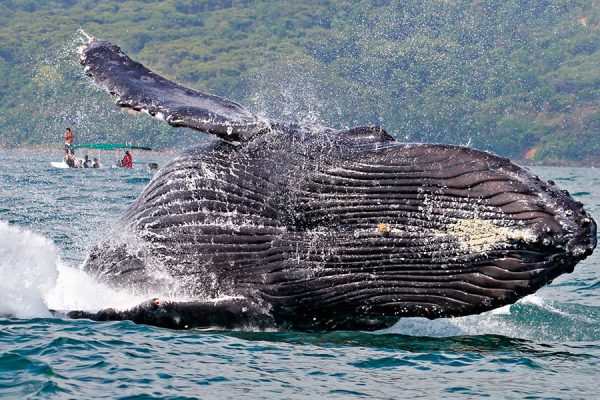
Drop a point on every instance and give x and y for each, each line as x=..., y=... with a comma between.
x=229, y=314
x=310, y=228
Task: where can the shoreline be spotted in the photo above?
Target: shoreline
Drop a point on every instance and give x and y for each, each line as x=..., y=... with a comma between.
x=541, y=163
x=60, y=150
x=558, y=163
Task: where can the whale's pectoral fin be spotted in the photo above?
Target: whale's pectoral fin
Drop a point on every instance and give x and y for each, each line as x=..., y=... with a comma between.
x=142, y=90
x=365, y=134
x=220, y=313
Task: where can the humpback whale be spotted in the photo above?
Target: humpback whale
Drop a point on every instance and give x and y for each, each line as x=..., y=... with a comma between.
x=279, y=225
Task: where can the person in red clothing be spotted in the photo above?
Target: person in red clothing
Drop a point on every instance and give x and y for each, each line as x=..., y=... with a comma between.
x=69, y=138
x=127, y=161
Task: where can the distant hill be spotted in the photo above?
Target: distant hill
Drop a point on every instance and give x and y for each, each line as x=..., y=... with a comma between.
x=518, y=77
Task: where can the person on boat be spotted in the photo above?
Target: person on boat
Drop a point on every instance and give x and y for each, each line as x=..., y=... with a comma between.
x=127, y=161
x=87, y=163
x=96, y=164
x=69, y=139
x=69, y=159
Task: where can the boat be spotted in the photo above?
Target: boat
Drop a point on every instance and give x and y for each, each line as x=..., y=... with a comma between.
x=59, y=164
x=97, y=146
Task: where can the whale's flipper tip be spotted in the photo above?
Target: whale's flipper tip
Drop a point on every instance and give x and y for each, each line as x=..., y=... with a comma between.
x=140, y=89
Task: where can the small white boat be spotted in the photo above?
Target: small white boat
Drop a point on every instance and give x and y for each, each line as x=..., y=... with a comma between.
x=78, y=162
x=59, y=164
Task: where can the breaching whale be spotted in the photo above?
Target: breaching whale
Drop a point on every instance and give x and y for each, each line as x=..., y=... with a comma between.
x=306, y=227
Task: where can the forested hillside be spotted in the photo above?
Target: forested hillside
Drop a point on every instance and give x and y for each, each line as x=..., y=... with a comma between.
x=519, y=77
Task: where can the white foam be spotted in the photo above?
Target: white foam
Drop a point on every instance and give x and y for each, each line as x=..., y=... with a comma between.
x=424, y=327
x=75, y=290
x=499, y=321
x=28, y=270
x=35, y=279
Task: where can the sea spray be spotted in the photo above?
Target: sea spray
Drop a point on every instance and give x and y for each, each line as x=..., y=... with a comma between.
x=27, y=269
x=520, y=320
x=34, y=279
x=75, y=290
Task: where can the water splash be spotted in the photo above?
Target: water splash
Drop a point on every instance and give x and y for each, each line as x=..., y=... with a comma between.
x=84, y=36
x=293, y=91
x=66, y=97
x=28, y=269
x=34, y=279
x=75, y=290
x=531, y=318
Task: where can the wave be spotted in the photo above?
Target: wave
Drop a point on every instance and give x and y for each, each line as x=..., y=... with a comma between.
x=532, y=318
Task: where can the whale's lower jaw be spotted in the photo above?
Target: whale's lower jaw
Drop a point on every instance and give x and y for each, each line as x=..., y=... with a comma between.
x=333, y=308
x=367, y=300
x=367, y=304
x=343, y=304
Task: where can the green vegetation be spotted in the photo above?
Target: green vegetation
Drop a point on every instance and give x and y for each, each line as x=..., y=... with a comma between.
x=509, y=76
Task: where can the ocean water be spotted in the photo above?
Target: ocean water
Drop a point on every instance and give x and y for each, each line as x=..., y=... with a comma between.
x=545, y=346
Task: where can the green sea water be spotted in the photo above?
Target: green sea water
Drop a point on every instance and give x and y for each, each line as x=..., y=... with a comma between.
x=545, y=346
